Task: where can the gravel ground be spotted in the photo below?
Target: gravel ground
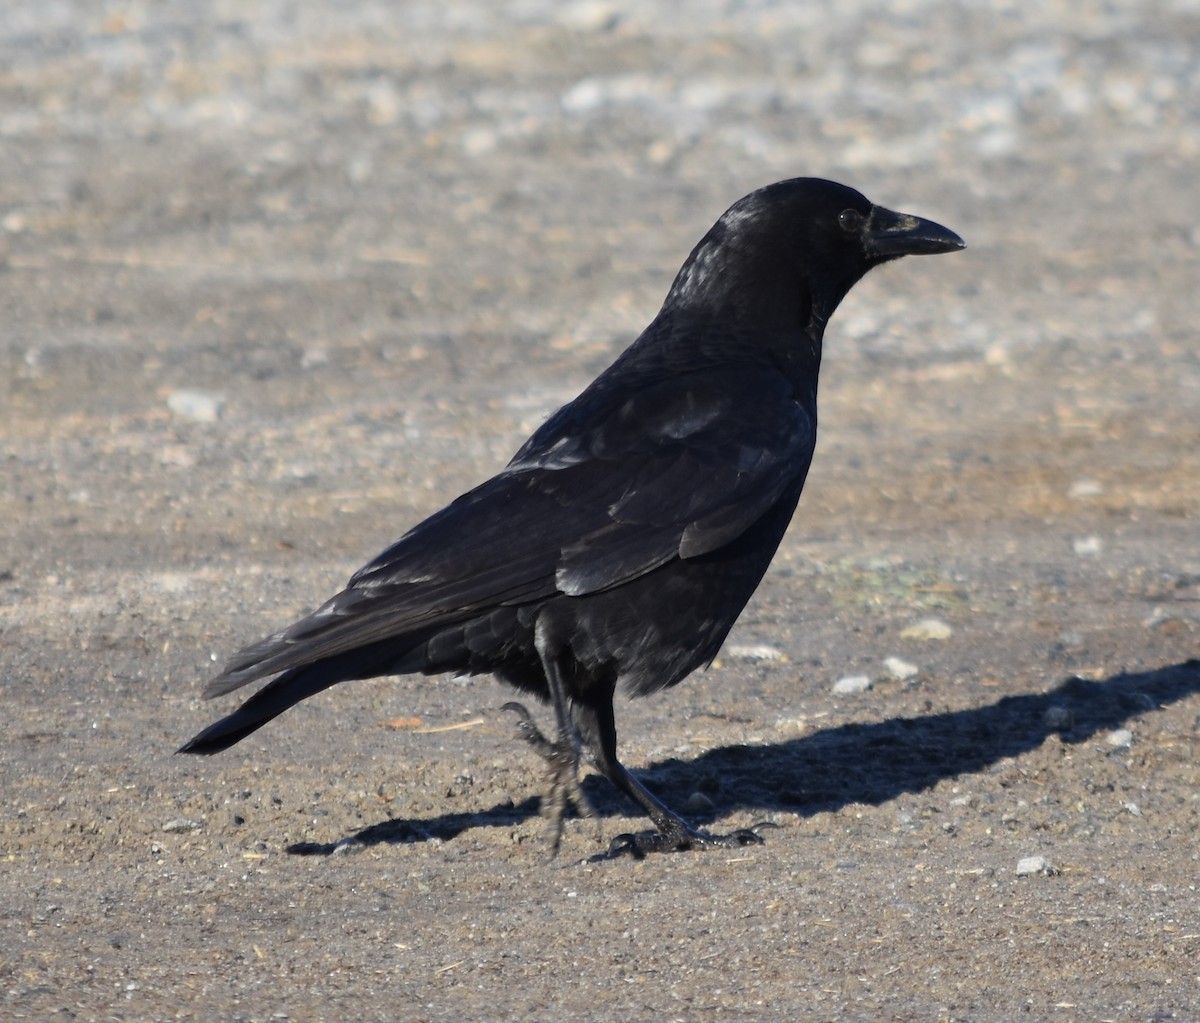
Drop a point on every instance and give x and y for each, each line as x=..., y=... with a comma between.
x=278, y=279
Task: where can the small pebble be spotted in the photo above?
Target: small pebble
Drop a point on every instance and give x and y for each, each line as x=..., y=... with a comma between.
x=1028, y=865
x=698, y=803
x=928, y=628
x=179, y=824
x=1058, y=718
x=1161, y=618
x=177, y=455
x=900, y=669
x=759, y=652
x=1119, y=738
x=199, y=406
x=345, y=846
x=852, y=684
x=1088, y=546
x=1085, y=488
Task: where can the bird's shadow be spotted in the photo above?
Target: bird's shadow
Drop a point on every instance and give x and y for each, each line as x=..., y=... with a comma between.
x=853, y=763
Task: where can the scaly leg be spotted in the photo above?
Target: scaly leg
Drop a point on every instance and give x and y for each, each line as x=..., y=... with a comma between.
x=563, y=754
x=674, y=834
x=562, y=757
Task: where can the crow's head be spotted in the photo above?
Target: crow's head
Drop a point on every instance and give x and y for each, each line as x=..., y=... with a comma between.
x=801, y=245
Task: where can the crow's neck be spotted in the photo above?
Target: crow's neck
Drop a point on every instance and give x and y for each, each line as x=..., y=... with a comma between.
x=735, y=311
x=785, y=335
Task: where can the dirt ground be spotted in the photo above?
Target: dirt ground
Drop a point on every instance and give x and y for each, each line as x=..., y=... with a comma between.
x=277, y=280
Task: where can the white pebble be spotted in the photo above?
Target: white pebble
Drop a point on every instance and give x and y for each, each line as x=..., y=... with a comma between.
x=1119, y=738
x=1029, y=865
x=757, y=653
x=314, y=357
x=179, y=824
x=1085, y=488
x=852, y=684
x=584, y=96
x=928, y=628
x=900, y=669
x=1088, y=546
x=199, y=406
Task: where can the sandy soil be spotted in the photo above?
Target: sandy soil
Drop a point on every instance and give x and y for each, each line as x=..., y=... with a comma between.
x=278, y=280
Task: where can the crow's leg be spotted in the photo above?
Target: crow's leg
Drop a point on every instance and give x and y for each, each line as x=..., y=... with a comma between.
x=674, y=834
x=562, y=758
x=562, y=755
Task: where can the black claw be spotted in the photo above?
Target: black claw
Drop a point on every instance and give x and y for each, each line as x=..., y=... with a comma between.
x=527, y=728
x=521, y=711
x=680, y=840
x=746, y=836
x=626, y=843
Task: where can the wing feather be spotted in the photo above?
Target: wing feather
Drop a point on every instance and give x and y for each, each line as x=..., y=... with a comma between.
x=607, y=491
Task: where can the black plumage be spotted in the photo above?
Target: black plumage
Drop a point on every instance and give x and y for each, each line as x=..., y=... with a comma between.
x=620, y=544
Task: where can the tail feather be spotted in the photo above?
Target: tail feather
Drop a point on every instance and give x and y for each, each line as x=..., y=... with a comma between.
x=291, y=687
x=483, y=644
x=269, y=702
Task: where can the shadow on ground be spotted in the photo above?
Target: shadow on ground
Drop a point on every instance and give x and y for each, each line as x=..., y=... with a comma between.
x=854, y=763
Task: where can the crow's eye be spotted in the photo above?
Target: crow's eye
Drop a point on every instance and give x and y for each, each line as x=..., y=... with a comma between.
x=850, y=220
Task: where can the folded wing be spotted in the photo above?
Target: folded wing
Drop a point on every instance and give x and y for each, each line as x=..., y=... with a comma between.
x=610, y=488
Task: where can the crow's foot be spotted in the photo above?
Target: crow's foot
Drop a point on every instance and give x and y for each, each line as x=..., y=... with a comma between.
x=682, y=838
x=562, y=758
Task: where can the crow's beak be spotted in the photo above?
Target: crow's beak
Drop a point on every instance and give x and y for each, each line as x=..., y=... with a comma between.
x=890, y=234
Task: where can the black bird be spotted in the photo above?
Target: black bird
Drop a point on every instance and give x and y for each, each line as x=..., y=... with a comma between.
x=620, y=544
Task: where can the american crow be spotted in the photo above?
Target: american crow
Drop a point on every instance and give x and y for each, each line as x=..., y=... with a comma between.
x=618, y=547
